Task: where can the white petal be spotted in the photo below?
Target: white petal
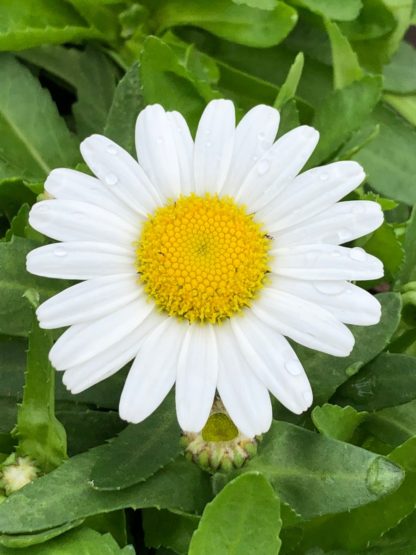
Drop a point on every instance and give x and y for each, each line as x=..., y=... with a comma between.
x=80, y=260
x=153, y=373
x=70, y=220
x=214, y=144
x=82, y=342
x=244, y=396
x=67, y=184
x=327, y=262
x=310, y=193
x=184, y=150
x=304, y=322
x=253, y=136
x=156, y=150
x=82, y=376
x=196, y=380
x=277, y=167
x=274, y=362
x=121, y=173
x=347, y=302
x=342, y=222
x=88, y=301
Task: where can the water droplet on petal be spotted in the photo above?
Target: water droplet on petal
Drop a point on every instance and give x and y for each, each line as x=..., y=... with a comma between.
x=294, y=367
x=263, y=167
x=335, y=253
x=330, y=287
x=111, y=179
x=261, y=137
x=343, y=235
x=60, y=252
x=255, y=158
x=358, y=254
x=208, y=144
x=323, y=176
x=112, y=149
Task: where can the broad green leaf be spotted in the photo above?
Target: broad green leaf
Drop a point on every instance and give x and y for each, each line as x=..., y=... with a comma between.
x=408, y=269
x=164, y=528
x=399, y=74
x=166, y=81
x=40, y=435
x=82, y=541
x=67, y=495
x=126, y=105
x=32, y=141
x=404, y=105
x=337, y=422
x=28, y=23
x=344, y=60
x=316, y=475
x=342, y=113
x=21, y=541
x=389, y=159
x=388, y=380
x=327, y=373
x=289, y=87
x=238, y=23
x=15, y=311
x=243, y=518
x=340, y=10
x=393, y=425
x=139, y=451
x=355, y=529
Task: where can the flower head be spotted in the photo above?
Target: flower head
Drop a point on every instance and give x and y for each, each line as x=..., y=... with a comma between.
x=197, y=261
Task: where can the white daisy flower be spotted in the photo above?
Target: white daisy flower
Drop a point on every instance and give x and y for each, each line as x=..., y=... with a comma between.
x=199, y=259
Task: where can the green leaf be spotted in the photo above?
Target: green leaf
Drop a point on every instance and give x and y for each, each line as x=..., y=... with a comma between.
x=393, y=425
x=15, y=311
x=375, y=20
x=404, y=105
x=40, y=435
x=163, y=528
x=126, y=105
x=166, y=81
x=289, y=87
x=67, y=495
x=26, y=540
x=385, y=245
x=261, y=4
x=388, y=380
x=356, y=529
x=33, y=141
x=13, y=193
x=340, y=10
x=82, y=541
x=389, y=159
x=399, y=74
x=327, y=373
x=238, y=23
x=28, y=23
x=337, y=422
x=342, y=113
x=408, y=269
x=244, y=518
x=344, y=60
x=316, y=475
x=139, y=451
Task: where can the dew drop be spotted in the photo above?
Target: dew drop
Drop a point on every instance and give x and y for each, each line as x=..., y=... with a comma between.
x=255, y=158
x=261, y=137
x=330, y=287
x=208, y=144
x=60, y=252
x=263, y=167
x=343, y=235
x=294, y=367
x=358, y=254
x=323, y=177
x=111, y=179
x=112, y=149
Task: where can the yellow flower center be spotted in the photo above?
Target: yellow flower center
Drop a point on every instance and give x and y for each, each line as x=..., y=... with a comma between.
x=202, y=258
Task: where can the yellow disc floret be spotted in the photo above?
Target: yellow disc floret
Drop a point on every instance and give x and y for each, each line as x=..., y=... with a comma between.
x=202, y=258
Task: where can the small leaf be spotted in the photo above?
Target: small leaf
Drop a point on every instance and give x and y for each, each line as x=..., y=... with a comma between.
x=385, y=245
x=244, y=518
x=40, y=435
x=289, y=87
x=139, y=451
x=388, y=380
x=167, y=529
x=344, y=60
x=393, y=425
x=337, y=422
x=316, y=475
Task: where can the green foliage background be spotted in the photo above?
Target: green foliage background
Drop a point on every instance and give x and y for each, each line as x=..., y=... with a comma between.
x=340, y=480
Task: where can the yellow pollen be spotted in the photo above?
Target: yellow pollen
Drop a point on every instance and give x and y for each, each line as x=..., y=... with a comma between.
x=202, y=258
